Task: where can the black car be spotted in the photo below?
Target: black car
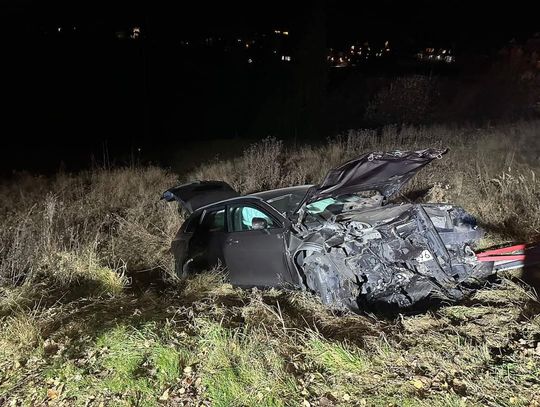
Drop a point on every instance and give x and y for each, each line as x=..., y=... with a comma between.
x=341, y=239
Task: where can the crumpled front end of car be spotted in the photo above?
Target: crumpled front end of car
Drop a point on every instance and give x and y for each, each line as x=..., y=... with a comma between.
x=396, y=255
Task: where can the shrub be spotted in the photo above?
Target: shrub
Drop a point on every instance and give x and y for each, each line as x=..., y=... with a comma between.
x=408, y=99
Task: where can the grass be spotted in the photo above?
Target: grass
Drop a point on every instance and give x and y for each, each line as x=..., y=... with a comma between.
x=251, y=348
x=21, y=334
x=80, y=325
x=335, y=357
x=242, y=369
x=132, y=366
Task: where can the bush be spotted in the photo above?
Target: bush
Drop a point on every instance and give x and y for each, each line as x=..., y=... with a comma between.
x=409, y=99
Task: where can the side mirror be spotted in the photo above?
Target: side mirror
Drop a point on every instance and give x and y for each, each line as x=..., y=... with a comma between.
x=259, y=223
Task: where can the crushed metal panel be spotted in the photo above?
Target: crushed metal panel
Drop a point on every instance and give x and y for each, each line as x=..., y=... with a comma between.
x=385, y=172
x=398, y=259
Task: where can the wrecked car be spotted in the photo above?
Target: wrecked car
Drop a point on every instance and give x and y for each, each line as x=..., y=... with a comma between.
x=342, y=239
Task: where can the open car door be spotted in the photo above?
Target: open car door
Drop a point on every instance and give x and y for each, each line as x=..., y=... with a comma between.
x=195, y=195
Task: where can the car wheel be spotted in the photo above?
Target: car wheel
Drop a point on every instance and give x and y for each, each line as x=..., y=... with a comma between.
x=325, y=282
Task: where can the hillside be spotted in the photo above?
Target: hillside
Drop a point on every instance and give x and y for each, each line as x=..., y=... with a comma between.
x=92, y=315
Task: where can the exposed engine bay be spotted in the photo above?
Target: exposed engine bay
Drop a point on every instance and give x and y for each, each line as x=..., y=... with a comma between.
x=396, y=254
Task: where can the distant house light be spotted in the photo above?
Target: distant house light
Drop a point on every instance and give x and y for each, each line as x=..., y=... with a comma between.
x=59, y=29
x=286, y=58
x=250, y=61
x=135, y=33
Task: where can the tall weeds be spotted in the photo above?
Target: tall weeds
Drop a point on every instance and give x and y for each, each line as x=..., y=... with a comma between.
x=61, y=228
x=491, y=171
x=71, y=230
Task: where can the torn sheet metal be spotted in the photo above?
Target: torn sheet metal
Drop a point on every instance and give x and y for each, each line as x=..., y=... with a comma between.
x=414, y=253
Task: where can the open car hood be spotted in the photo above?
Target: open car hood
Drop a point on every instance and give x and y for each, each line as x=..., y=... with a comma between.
x=385, y=172
x=195, y=195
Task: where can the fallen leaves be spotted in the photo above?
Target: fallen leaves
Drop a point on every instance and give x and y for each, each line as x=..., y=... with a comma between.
x=165, y=395
x=52, y=394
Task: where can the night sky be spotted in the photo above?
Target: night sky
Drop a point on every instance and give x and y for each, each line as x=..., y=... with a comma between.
x=72, y=94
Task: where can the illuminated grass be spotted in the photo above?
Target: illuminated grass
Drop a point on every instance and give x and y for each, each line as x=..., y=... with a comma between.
x=127, y=364
x=336, y=357
x=244, y=369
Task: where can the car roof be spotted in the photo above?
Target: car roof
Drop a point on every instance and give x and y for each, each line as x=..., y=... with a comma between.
x=258, y=196
x=274, y=193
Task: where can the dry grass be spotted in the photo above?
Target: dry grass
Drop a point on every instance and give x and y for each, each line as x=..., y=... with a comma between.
x=234, y=347
x=71, y=334
x=21, y=334
x=490, y=171
x=108, y=217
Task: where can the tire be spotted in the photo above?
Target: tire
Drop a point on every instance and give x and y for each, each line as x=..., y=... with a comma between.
x=327, y=284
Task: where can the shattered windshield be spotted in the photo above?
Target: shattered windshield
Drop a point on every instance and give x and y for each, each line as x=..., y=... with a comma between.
x=288, y=203
x=328, y=207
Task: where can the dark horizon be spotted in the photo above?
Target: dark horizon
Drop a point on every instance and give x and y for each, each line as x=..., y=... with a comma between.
x=73, y=89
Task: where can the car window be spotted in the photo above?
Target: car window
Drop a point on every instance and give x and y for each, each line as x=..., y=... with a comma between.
x=331, y=206
x=320, y=206
x=286, y=203
x=242, y=218
x=213, y=221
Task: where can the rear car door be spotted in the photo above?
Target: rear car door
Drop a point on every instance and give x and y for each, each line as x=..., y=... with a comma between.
x=206, y=243
x=181, y=242
x=255, y=257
